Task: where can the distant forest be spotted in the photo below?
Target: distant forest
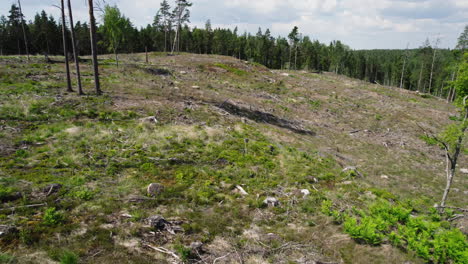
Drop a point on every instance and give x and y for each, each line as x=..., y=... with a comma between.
x=427, y=69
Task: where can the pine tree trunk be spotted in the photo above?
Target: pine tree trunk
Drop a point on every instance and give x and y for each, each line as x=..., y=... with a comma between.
x=146, y=54
x=65, y=48
x=75, y=53
x=165, y=39
x=24, y=30
x=92, y=32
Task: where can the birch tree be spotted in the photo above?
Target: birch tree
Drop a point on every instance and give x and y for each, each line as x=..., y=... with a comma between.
x=451, y=140
x=115, y=28
x=181, y=15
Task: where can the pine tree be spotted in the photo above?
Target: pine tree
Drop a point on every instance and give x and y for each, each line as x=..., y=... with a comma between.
x=181, y=15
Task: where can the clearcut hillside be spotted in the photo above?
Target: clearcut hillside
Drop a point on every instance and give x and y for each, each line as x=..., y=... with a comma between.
x=248, y=165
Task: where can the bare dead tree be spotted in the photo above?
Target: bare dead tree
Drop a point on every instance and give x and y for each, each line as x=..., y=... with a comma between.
x=65, y=48
x=92, y=32
x=75, y=53
x=433, y=62
x=452, y=152
x=420, y=76
x=404, y=66
x=24, y=30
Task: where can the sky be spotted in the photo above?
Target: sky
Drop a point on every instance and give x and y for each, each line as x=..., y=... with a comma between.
x=361, y=24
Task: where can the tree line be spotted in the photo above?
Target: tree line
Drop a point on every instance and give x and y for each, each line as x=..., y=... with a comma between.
x=428, y=69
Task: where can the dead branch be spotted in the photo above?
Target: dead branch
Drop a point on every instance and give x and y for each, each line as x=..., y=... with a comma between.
x=162, y=250
x=24, y=206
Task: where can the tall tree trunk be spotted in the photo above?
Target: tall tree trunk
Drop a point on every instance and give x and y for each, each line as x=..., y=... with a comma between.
x=453, y=159
x=165, y=38
x=420, y=76
x=75, y=53
x=92, y=32
x=24, y=30
x=295, y=59
x=146, y=54
x=65, y=48
x=432, y=69
x=116, y=57
x=452, y=89
x=404, y=66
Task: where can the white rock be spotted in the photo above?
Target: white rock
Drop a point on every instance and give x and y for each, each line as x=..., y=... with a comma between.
x=271, y=201
x=464, y=171
x=241, y=190
x=385, y=177
x=196, y=87
x=285, y=74
x=149, y=119
x=183, y=72
x=305, y=192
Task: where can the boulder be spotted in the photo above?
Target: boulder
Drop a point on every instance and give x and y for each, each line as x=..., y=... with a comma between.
x=271, y=202
x=154, y=189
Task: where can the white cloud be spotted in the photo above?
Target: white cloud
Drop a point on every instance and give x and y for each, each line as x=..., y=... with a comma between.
x=358, y=23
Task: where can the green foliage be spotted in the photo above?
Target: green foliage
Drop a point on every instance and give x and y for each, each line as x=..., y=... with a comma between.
x=184, y=252
x=68, y=258
x=52, y=217
x=7, y=259
x=428, y=237
x=366, y=230
x=231, y=69
x=461, y=83
x=5, y=192
x=84, y=194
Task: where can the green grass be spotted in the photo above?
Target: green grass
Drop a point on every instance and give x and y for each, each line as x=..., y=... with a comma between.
x=231, y=69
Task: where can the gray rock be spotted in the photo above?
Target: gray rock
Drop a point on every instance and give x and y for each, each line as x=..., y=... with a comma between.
x=271, y=202
x=154, y=189
x=196, y=247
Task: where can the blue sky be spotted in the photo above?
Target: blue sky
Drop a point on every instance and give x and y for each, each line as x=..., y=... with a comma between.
x=361, y=24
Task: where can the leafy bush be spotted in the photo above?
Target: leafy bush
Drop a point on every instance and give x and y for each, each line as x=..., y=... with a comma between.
x=7, y=259
x=52, y=217
x=429, y=237
x=68, y=258
x=365, y=231
x=84, y=194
